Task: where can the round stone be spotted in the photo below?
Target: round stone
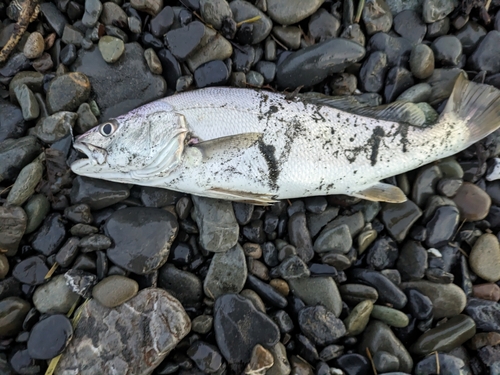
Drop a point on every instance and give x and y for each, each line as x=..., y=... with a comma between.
x=114, y=290
x=13, y=310
x=287, y=12
x=34, y=46
x=67, y=91
x=111, y=48
x=36, y=208
x=31, y=271
x=55, y=297
x=472, y=202
x=12, y=227
x=49, y=337
x=356, y=321
x=422, y=61
x=390, y=316
x=484, y=259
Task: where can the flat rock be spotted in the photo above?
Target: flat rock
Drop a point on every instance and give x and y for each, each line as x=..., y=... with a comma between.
x=318, y=290
x=54, y=297
x=182, y=285
x=66, y=92
x=96, y=193
x=11, y=120
x=287, y=12
x=13, y=221
x=484, y=259
x=131, y=339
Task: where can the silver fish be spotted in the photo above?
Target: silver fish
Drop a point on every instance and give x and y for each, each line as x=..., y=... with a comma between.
x=256, y=146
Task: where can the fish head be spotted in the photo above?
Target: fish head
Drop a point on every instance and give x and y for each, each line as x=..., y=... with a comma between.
x=148, y=138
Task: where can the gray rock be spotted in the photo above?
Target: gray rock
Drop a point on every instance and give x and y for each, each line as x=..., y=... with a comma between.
x=114, y=290
x=442, y=82
x=321, y=326
x=281, y=365
x=318, y=290
x=54, y=17
x=86, y=120
x=72, y=35
x=111, y=48
x=55, y=297
x=132, y=339
x=112, y=14
x=183, y=285
x=216, y=222
x=12, y=123
x=131, y=69
x=323, y=25
x=435, y=10
x=337, y=239
x=421, y=92
x=153, y=61
x=293, y=267
x=373, y=72
x=447, y=50
x=13, y=221
x=67, y=91
x=93, y=9
x=214, y=11
x=215, y=47
x=412, y=261
x=151, y=7
x=26, y=182
x=377, y=16
x=97, y=193
x=16, y=154
x=36, y=208
x=34, y=46
x=287, y=12
x=55, y=127
x=28, y=102
x=396, y=48
x=289, y=36
x=300, y=236
x=483, y=58
x=227, y=273
x=313, y=64
x=202, y=324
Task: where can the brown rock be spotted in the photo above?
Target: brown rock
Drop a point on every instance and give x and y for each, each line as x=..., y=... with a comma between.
x=252, y=250
x=472, y=202
x=281, y=286
x=484, y=258
x=484, y=339
x=34, y=46
x=489, y=291
x=261, y=360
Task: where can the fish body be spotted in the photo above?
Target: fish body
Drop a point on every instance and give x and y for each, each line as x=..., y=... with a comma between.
x=257, y=146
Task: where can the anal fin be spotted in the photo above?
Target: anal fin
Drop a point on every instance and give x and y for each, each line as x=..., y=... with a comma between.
x=242, y=196
x=381, y=192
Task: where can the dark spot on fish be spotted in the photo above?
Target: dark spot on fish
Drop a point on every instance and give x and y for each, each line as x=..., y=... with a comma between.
x=268, y=152
x=378, y=134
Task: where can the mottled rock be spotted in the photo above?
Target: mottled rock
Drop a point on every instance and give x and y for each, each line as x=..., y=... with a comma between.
x=290, y=12
x=13, y=221
x=318, y=290
x=66, y=92
x=54, y=297
x=484, y=259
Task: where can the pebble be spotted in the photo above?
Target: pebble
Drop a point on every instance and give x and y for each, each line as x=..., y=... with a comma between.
x=72, y=35
x=182, y=285
x=448, y=365
x=379, y=337
x=388, y=292
x=422, y=61
x=419, y=305
x=289, y=36
x=315, y=222
x=484, y=259
x=4, y=266
x=323, y=25
x=111, y=48
x=55, y=127
x=235, y=323
x=446, y=336
x=36, y=208
x=382, y=254
x=398, y=80
x=227, y=273
x=416, y=94
x=68, y=252
x=293, y=267
x=205, y=356
x=373, y=72
x=151, y=7
x=54, y=297
x=281, y=364
x=472, y=202
x=300, y=236
x=290, y=12
x=262, y=359
x=129, y=250
x=13, y=223
x=435, y=10
x=93, y=9
x=67, y=91
x=112, y=14
x=50, y=236
x=153, y=61
x=216, y=222
x=488, y=291
x=26, y=182
x=358, y=318
x=13, y=310
x=409, y=25
x=266, y=292
x=114, y=290
x=217, y=48
x=385, y=362
x=442, y=226
x=448, y=300
x=321, y=326
x=470, y=35
x=447, y=50
x=184, y=41
x=243, y=10
x=398, y=218
x=412, y=261
x=390, y=316
x=30, y=271
x=162, y=323
x=34, y=46
x=54, y=17
x=304, y=67
x=49, y=337
x=202, y=324
x=486, y=314
x=97, y=194
x=318, y=290
x=356, y=293
x=396, y=48
x=353, y=363
x=481, y=58
x=377, y=17
x=15, y=64
x=13, y=125
x=132, y=67
x=214, y=11
x=337, y=239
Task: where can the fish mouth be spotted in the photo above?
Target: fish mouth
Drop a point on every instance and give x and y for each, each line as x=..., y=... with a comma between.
x=95, y=156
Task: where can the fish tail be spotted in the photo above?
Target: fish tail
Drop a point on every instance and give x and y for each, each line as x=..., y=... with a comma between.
x=475, y=104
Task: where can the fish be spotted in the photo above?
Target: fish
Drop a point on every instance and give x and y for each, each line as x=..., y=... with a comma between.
x=257, y=146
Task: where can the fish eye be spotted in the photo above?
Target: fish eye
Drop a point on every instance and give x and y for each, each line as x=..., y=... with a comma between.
x=107, y=129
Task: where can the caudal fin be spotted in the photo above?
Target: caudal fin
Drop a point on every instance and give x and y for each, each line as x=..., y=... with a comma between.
x=476, y=104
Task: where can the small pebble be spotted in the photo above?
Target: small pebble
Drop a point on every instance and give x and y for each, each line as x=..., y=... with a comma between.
x=111, y=48
x=34, y=46
x=49, y=337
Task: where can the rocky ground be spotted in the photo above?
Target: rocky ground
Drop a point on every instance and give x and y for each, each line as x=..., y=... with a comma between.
x=104, y=278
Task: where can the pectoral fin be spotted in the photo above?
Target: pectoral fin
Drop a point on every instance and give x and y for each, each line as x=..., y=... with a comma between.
x=235, y=142
x=242, y=196
x=382, y=193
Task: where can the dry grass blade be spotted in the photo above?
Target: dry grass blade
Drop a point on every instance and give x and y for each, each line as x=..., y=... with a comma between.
x=438, y=367
x=29, y=11
x=369, y=355
x=250, y=20
x=359, y=11
x=6, y=189
x=51, y=271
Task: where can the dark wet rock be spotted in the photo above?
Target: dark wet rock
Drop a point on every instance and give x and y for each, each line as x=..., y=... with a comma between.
x=36, y=209
x=68, y=252
x=72, y=35
x=300, y=236
x=313, y=64
x=448, y=365
x=202, y=324
x=385, y=362
x=227, y=273
x=442, y=226
x=140, y=248
x=354, y=33
x=49, y=337
x=97, y=193
x=22, y=363
x=113, y=14
x=131, y=68
x=435, y=10
x=156, y=197
x=50, y=235
x=398, y=218
x=26, y=182
x=13, y=310
x=486, y=314
x=470, y=35
x=290, y=12
x=412, y=261
x=243, y=58
x=317, y=221
x=154, y=319
x=409, y=25
x=442, y=82
x=448, y=300
x=243, y=10
x=214, y=12
x=184, y=41
x=379, y=337
x=382, y=254
x=288, y=35
x=484, y=259
x=213, y=47
x=82, y=230
x=356, y=293
x=206, y=356
x=449, y=187
x=10, y=287
x=235, y=323
x=31, y=271
x=86, y=119
x=13, y=222
x=397, y=49
x=425, y=184
x=483, y=58
x=373, y=72
x=212, y=73
x=267, y=69
x=446, y=336
x=54, y=17
x=54, y=297
x=114, y=290
x=388, y=292
x=447, y=50
x=28, y=102
x=56, y=127
x=93, y=9
x=266, y=292
x=417, y=94
x=321, y=326
x=16, y=154
x=353, y=364
x=162, y=22
x=318, y=290
x=79, y=213
x=377, y=17
x=14, y=65
x=66, y=92
x=419, y=305
x=216, y=222
x=397, y=81
x=293, y=267
x=183, y=285
x=11, y=121
x=337, y=239
x=323, y=25
x=422, y=61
